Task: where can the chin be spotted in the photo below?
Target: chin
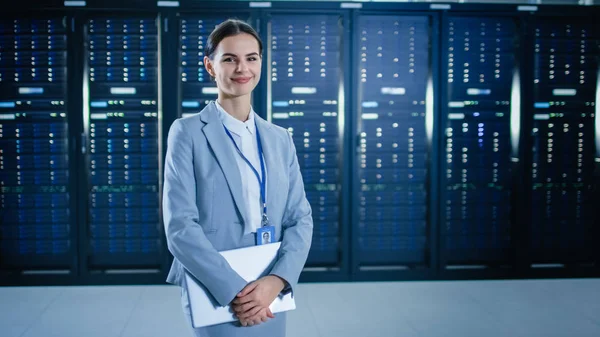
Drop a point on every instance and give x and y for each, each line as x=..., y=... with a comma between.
x=240, y=90
x=238, y=93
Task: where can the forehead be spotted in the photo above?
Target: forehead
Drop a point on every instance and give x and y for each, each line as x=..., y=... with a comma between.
x=240, y=44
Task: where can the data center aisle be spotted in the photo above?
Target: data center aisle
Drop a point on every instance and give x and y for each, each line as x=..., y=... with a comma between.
x=549, y=308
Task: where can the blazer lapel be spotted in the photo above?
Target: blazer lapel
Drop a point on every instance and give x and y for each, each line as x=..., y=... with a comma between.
x=220, y=144
x=270, y=159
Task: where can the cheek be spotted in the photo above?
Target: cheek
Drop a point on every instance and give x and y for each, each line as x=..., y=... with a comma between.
x=257, y=71
x=224, y=71
x=224, y=79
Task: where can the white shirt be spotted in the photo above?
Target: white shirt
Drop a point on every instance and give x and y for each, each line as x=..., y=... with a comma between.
x=244, y=134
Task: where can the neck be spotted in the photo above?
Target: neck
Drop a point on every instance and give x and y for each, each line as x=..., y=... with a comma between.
x=238, y=107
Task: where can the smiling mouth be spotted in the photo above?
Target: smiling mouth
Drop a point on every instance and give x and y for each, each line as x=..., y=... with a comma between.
x=241, y=79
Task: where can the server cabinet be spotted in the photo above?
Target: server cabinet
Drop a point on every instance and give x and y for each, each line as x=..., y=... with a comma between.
x=36, y=212
x=123, y=156
x=406, y=119
x=480, y=123
x=395, y=100
x=304, y=92
x=564, y=134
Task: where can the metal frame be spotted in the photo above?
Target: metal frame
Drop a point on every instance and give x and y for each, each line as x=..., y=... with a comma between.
x=170, y=105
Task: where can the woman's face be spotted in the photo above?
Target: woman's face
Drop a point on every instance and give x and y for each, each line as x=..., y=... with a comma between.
x=236, y=65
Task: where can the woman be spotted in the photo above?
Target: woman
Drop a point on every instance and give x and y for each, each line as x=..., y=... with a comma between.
x=231, y=176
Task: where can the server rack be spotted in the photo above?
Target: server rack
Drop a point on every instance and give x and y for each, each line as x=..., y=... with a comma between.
x=306, y=60
x=122, y=146
x=481, y=123
x=532, y=239
x=38, y=235
x=393, y=111
x=563, y=131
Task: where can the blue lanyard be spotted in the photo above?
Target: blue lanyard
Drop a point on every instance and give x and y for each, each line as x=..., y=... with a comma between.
x=262, y=181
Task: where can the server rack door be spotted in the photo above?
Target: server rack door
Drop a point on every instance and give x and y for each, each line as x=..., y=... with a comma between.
x=35, y=214
x=121, y=121
x=393, y=58
x=303, y=90
x=476, y=169
x=564, y=140
x=196, y=86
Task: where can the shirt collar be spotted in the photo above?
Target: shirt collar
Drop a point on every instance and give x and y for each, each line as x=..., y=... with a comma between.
x=235, y=125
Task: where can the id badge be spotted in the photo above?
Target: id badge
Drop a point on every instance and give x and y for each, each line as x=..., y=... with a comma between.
x=265, y=235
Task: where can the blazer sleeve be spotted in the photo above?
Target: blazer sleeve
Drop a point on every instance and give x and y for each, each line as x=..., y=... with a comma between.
x=185, y=237
x=297, y=227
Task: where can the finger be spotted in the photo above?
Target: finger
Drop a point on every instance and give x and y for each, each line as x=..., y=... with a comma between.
x=267, y=314
x=242, y=300
x=249, y=313
x=251, y=297
x=247, y=289
x=262, y=315
x=235, y=306
x=256, y=319
x=240, y=309
x=249, y=306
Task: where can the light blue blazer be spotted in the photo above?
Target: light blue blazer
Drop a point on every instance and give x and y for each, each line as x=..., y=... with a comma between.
x=204, y=211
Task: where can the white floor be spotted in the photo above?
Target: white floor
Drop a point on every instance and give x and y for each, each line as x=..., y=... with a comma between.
x=529, y=308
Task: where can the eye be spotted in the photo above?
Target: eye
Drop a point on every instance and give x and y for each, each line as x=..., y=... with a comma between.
x=229, y=59
x=253, y=58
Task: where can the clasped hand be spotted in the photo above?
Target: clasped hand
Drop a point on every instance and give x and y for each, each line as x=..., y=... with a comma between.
x=251, y=305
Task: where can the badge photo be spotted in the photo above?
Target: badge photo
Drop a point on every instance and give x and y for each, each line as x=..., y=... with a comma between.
x=265, y=235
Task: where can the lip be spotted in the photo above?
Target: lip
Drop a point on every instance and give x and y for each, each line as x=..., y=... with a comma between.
x=241, y=80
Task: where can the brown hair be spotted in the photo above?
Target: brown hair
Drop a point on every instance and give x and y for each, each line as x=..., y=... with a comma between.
x=228, y=28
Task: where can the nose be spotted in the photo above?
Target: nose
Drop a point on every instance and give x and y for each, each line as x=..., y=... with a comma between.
x=242, y=66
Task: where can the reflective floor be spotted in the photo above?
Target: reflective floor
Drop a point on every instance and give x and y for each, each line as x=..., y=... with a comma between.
x=528, y=308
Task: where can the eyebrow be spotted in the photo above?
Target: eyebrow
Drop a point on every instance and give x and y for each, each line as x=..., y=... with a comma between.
x=230, y=54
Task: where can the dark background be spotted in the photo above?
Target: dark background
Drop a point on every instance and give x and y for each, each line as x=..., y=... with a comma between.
x=437, y=141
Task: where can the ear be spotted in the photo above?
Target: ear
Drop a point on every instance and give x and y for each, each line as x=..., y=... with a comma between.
x=209, y=66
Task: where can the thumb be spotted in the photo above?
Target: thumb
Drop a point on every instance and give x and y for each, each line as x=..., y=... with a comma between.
x=248, y=289
x=269, y=313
